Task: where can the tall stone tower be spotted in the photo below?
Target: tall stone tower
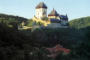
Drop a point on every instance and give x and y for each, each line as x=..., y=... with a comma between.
x=41, y=10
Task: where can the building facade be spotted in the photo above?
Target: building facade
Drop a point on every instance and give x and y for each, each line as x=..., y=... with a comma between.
x=41, y=10
x=55, y=19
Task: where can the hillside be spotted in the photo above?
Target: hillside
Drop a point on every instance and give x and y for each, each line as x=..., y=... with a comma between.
x=11, y=20
x=31, y=45
x=13, y=43
x=80, y=22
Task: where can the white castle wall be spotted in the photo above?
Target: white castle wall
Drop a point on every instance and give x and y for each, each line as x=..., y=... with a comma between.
x=41, y=12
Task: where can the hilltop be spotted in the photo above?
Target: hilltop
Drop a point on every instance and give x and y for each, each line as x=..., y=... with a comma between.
x=11, y=20
x=80, y=22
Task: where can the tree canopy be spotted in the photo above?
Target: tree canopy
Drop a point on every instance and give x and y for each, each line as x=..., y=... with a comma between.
x=80, y=22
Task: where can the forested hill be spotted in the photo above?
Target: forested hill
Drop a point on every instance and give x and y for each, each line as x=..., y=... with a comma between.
x=11, y=19
x=32, y=45
x=80, y=22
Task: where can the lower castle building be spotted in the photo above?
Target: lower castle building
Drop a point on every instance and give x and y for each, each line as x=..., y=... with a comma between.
x=55, y=20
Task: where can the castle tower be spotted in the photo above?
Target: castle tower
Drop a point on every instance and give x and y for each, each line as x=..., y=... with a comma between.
x=41, y=10
x=64, y=19
x=53, y=14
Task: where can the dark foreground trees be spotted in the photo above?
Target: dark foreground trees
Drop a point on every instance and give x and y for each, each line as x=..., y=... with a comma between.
x=16, y=45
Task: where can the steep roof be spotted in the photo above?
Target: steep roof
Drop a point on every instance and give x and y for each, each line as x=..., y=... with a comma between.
x=41, y=5
x=64, y=17
x=53, y=13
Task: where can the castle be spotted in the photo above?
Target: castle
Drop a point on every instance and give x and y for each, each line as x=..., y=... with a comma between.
x=55, y=20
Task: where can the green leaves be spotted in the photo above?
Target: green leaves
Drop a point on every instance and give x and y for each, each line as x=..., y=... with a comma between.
x=29, y=23
x=80, y=23
x=11, y=21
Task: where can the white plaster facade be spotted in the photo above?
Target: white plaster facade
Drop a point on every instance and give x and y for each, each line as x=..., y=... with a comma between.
x=41, y=12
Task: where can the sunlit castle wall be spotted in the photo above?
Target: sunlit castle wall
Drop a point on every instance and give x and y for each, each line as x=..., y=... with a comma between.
x=41, y=13
x=54, y=17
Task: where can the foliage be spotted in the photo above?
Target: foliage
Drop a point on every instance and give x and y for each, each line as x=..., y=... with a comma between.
x=13, y=43
x=45, y=18
x=63, y=36
x=80, y=23
x=30, y=45
x=29, y=23
x=11, y=21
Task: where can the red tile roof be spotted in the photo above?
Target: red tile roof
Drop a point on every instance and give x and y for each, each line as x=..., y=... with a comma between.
x=56, y=50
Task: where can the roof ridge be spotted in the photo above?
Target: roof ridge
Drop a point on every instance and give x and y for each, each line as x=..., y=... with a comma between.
x=53, y=13
x=41, y=5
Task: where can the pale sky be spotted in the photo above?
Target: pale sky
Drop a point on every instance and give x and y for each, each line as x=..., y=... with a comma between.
x=26, y=8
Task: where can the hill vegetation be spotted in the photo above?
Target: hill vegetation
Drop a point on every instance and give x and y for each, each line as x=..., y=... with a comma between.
x=31, y=45
x=11, y=21
x=80, y=22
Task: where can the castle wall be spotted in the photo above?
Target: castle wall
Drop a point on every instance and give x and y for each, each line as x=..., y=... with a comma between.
x=51, y=17
x=41, y=12
x=56, y=25
x=64, y=22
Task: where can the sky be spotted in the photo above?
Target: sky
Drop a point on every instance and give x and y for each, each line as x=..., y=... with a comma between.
x=26, y=8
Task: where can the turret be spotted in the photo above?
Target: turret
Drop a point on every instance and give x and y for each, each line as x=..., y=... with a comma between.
x=41, y=10
x=53, y=14
x=64, y=19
